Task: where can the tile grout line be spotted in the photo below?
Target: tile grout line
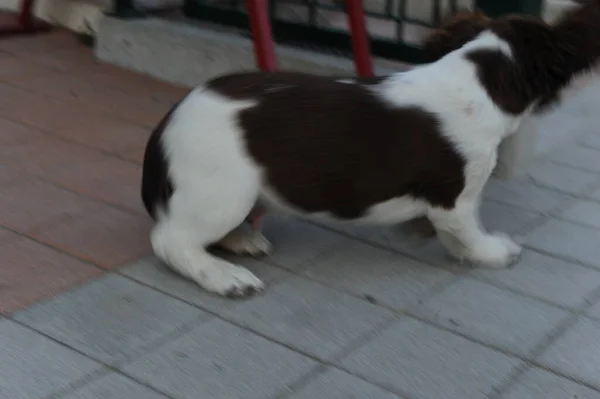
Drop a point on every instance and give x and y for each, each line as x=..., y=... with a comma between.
x=364, y=338
x=397, y=314
x=519, y=207
x=88, y=107
x=91, y=378
x=48, y=133
x=379, y=246
x=315, y=358
x=104, y=366
x=79, y=383
x=553, y=161
x=81, y=259
x=553, y=213
x=70, y=71
x=122, y=208
x=160, y=342
x=564, y=258
x=407, y=312
x=451, y=281
x=508, y=288
x=552, y=337
x=301, y=382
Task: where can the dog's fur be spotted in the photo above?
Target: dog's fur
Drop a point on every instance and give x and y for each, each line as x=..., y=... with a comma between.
x=455, y=31
x=383, y=150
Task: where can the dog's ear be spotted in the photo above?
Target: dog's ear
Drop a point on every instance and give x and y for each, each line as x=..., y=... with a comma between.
x=455, y=31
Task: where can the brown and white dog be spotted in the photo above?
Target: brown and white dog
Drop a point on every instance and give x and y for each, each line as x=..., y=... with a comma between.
x=415, y=144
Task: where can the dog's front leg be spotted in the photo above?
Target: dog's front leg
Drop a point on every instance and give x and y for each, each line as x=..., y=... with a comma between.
x=460, y=231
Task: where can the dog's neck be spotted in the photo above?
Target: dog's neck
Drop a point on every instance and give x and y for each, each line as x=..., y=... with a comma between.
x=542, y=59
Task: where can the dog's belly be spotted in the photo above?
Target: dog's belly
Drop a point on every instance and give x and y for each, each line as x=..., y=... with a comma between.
x=393, y=211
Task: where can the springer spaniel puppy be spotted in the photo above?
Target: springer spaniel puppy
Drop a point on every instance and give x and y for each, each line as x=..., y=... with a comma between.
x=386, y=150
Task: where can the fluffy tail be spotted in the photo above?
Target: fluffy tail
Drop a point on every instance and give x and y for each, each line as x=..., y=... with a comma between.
x=157, y=187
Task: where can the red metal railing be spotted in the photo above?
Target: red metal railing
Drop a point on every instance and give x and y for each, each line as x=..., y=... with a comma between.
x=360, y=38
x=264, y=49
x=23, y=23
x=260, y=26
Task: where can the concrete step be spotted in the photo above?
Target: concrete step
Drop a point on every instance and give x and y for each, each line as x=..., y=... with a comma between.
x=81, y=16
x=189, y=53
x=554, y=8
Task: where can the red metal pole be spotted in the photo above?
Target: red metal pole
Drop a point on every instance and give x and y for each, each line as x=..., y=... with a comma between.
x=260, y=26
x=24, y=23
x=360, y=38
x=25, y=14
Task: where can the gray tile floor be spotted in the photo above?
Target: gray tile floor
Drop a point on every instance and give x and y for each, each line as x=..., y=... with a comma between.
x=349, y=313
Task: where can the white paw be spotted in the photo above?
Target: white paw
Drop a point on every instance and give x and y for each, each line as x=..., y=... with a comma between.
x=231, y=281
x=242, y=242
x=497, y=251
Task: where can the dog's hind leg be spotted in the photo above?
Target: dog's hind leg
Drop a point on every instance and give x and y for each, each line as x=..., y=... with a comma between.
x=247, y=238
x=197, y=219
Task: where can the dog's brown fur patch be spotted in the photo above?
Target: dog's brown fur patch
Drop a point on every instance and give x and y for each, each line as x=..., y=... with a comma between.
x=454, y=32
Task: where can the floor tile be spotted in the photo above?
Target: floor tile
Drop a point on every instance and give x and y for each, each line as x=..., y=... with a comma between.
x=544, y=277
x=31, y=272
x=119, y=82
x=577, y=156
x=34, y=366
x=522, y=194
x=591, y=141
x=569, y=240
x=103, y=235
x=594, y=311
x=583, y=212
x=337, y=384
x=594, y=195
x=7, y=235
x=33, y=204
x=111, y=318
x=111, y=180
x=50, y=114
x=427, y=363
x=577, y=353
x=114, y=386
x=561, y=177
x=16, y=104
x=52, y=41
x=491, y=315
x=495, y=217
x=379, y=275
x=152, y=272
x=48, y=155
x=309, y=317
x=10, y=177
x=75, y=60
x=12, y=67
x=12, y=133
x=87, y=92
x=135, y=154
x=504, y=218
x=398, y=238
x=107, y=134
x=220, y=360
x=541, y=384
x=296, y=242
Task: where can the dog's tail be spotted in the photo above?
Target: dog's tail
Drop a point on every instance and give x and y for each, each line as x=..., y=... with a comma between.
x=157, y=187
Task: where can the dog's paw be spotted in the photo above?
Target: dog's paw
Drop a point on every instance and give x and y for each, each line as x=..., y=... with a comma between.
x=232, y=281
x=496, y=251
